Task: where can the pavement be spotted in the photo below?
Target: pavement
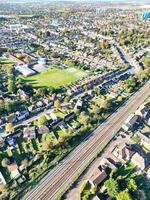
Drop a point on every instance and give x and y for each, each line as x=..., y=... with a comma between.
x=65, y=173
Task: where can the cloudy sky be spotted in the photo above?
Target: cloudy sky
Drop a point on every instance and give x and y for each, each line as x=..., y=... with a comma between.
x=124, y=1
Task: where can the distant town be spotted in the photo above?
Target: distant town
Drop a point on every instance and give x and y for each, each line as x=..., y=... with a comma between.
x=74, y=100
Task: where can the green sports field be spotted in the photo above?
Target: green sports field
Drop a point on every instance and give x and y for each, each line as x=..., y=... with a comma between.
x=5, y=61
x=56, y=77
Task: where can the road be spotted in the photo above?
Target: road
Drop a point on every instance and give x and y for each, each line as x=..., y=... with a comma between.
x=58, y=179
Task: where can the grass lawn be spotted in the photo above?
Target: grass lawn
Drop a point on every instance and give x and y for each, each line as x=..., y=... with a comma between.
x=51, y=137
x=56, y=77
x=60, y=132
x=6, y=61
x=59, y=114
x=97, y=100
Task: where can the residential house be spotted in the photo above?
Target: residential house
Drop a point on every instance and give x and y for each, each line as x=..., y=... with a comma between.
x=48, y=102
x=53, y=116
x=138, y=160
x=113, y=95
x=40, y=104
x=22, y=94
x=142, y=111
x=131, y=120
x=85, y=97
x=34, y=110
x=141, y=159
x=56, y=124
x=69, y=117
x=145, y=141
x=29, y=132
x=79, y=104
x=13, y=169
x=22, y=115
x=107, y=163
x=98, y=177
x=11, y=141
x=43, y=129
x=11, y=118
x=123, y=151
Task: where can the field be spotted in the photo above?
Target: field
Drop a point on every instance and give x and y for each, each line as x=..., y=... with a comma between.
x=5, y=61
x=55, y=77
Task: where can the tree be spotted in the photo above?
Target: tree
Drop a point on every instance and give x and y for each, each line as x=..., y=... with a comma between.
x=103, y=44
x=96, y=110
x=146, y=62
x=85, y=87
x=61, y=139
x=42, y=120
x=2, y=105
x=105, y=104
x=20, y=82
x=5, y=162
x=11, y=86
x=93, y=190
x=8, y=106
x=83, y=118
x=41, y=92
x=67, y=99
x=124, y=195
x=120, y=98
x=46, y=145
x=9, y=127
x=25, y=162
x=112, y=187
x=83, y=185
x=8, y=69
x=57, y=104
x=132, y=184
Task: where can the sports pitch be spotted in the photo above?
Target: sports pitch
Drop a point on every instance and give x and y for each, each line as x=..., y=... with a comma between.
x=56, y=77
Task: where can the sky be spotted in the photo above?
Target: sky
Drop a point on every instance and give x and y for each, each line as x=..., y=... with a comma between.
x=123, y=1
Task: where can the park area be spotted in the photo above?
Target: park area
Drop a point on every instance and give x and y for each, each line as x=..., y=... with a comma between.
x=56, y=77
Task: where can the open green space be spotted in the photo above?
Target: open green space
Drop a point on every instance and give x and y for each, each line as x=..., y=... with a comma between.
x=5, y=61
x=60, y=132
x=56, y=77
x=59, y=113
x=51, y=137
